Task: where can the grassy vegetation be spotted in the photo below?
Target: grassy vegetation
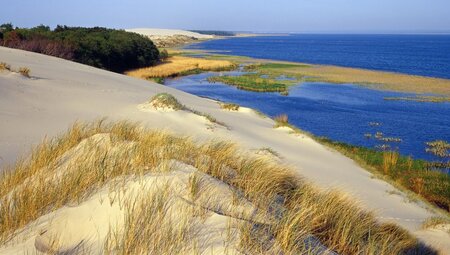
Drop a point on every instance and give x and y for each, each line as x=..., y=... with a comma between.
x=417, y=176
x=344, y=75
x=25, y=71
x=229, y=106
x=252, y=82
x=179, y=66
x=431, y=99
x=281, y=120
x=4, y=67
x=300, y=211
x=168, y=101
x=435, y=221
x=165, y=100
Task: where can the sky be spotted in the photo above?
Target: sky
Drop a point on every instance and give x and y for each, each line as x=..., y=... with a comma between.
x=307, y=16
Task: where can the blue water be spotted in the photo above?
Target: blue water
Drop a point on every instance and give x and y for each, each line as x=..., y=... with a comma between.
x=427, y=55
x=339, y=112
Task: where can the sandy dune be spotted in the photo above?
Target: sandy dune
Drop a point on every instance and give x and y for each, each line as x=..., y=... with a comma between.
x=155, y=32
x=60, y=92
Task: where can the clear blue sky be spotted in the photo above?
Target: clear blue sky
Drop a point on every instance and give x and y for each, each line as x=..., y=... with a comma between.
x=329, y=16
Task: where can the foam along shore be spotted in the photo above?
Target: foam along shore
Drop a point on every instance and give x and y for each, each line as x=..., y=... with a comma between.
x=60, y=92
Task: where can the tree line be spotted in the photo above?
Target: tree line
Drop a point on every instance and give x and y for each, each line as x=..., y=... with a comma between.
x=110, y=49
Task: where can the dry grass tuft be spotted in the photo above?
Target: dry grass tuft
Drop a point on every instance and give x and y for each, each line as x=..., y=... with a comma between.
x=230, y=106
x=178, y=66
x=4, y=66
x=25, y=71
x=300, y=214
x=435, y=221
x=390, y=159
x=281, y=120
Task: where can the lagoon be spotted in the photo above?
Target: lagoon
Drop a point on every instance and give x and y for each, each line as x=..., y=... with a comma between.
x=340, y=112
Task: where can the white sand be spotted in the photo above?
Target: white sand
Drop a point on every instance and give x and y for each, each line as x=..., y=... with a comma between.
x=61, y=92
x=161, y=33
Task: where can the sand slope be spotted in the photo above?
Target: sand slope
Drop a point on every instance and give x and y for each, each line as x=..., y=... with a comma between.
x=156, y=32
x=60, y=92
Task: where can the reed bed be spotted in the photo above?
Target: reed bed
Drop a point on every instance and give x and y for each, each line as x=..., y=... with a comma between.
x=178, y=66
x=368, y=78
x=37, y=185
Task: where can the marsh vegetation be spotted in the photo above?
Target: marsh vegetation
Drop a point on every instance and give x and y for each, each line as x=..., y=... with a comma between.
x=175, y=66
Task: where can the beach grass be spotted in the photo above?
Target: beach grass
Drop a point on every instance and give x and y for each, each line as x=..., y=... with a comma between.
x=281, y=120
x=300, y=212
x=180, y=66
x=229, y=106
x=165, y=100
x=4, y=66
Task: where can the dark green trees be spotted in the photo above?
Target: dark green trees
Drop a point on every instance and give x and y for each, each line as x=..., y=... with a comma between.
x=110, y=49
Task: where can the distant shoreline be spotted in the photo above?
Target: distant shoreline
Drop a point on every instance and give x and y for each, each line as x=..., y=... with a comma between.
x=371, y=78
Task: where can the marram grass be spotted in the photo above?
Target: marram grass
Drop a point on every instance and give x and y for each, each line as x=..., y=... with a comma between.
x=300, y=211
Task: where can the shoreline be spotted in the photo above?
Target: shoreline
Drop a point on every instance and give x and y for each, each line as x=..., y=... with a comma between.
x=370, y=78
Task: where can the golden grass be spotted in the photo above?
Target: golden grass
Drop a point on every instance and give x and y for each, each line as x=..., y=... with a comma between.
x=435, y=221
x=369, y=78
x=25, y=71
x=390, y=159
x=229, y=106
x=4, y=66
x=32, y=189
x=281, y=120
x=178, y=65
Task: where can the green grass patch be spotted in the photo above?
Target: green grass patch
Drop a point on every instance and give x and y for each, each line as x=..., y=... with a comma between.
x=159, y=80
x=165, y=100
x=415, y=175
x=253, y=82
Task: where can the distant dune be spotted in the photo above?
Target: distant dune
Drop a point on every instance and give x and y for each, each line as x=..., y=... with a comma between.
x=157, y=32
x=170, y=37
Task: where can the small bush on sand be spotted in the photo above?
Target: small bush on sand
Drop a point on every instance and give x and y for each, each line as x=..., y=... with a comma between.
x=25, y=71
x=281, y=120
x=165, y=100
x=230, y=107
x=4, y=66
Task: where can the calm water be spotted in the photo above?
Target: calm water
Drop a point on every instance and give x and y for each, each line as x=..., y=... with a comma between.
x=427, y=55
x=340, y=112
